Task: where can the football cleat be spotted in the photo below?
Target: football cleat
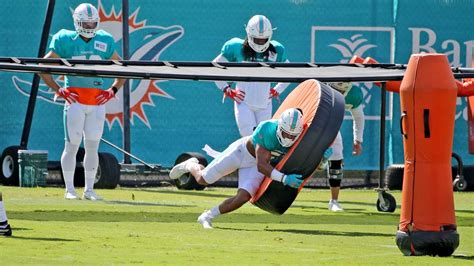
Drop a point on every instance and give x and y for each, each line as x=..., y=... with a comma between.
x=205, y=220
x=71, y=195
x=5, y=230
x=180, y=169
x=334, y=206
x=91, y=195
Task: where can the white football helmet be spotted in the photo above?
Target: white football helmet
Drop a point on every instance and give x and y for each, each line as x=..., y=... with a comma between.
x=86, y=20
x=290, y=126
x=259, y=33
x=342, y=87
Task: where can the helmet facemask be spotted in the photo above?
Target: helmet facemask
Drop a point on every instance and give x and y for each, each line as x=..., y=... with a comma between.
x=290, y=126
x=86, y=20
x=259, y=33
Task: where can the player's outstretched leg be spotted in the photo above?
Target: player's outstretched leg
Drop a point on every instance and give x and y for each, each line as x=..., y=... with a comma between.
x=183, y=168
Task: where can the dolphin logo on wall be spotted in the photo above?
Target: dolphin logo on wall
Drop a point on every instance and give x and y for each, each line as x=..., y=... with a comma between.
x=147, y=42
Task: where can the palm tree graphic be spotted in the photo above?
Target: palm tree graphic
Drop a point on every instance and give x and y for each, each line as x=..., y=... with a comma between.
x=355, y=45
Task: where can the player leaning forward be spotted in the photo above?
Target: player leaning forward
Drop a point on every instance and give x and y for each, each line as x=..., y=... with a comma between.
x=251, y=156
x=84, y=111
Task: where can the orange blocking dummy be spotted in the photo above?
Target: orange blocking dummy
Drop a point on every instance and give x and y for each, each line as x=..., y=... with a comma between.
x=428, y=104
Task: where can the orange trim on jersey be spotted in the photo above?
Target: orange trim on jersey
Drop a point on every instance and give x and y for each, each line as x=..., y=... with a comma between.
x=87, y=96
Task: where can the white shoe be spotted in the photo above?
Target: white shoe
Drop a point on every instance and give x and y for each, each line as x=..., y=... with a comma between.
x=334, y=206
x=91, y=195
x=71, y=195
x=205, y=220
x=181, y=168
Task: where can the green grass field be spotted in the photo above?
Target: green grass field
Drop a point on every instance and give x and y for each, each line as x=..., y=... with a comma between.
x=158, y=226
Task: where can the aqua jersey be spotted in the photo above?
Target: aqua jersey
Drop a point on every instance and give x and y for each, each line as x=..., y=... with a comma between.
x=265, y=136
x=69, y=45
x=256, y=93
x=233, y=52
x=353, y=98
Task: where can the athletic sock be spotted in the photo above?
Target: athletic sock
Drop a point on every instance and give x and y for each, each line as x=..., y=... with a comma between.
x=3, y=214
x=90, y=179
x=190, y=166
x=214, y=212
x=69, y=180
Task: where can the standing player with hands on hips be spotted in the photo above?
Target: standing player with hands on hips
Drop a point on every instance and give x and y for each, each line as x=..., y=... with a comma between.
x=84, y=110
x=253, y=100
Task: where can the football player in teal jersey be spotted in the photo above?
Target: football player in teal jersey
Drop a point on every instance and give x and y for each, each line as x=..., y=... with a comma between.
x=252, y=100
x=354, y=98
x=84, y=110
x=251, y=156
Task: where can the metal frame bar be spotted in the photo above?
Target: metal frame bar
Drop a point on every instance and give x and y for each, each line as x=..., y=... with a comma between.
x=383, y=103
x=83, y=68
x=126, y=86
x=175, y=64
x=25, y=135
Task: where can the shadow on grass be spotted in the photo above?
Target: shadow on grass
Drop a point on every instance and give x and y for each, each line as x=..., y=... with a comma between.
x=329, y=233
x=189, y=193
x=304, y=207
x=465, y=211
x=346, y=210
x=190, y=217
x=142, y=203
x=42, y=238
x=463, y=257
x=374, y=204
x=20, y=229
x=362, y=204
x=237, y=229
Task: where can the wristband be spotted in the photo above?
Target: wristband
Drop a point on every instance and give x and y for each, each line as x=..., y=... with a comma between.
x=225, y=88
x=277, y=175
x=114, y=89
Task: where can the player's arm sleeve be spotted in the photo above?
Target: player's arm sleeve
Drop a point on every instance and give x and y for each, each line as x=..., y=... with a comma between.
x=111, y=47
x=221, y=59
x=55, y=44
x=280, y=87
x=359, y=123
x=262, y=149
x=258, y=136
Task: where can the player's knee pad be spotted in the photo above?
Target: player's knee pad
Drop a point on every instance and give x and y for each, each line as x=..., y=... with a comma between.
x=91, y=158
x=335, y=173
x=68, y=158
x=91, y=145
x=71, y=148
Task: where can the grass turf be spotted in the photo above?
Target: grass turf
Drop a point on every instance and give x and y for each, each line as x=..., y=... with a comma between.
x=158, y=226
